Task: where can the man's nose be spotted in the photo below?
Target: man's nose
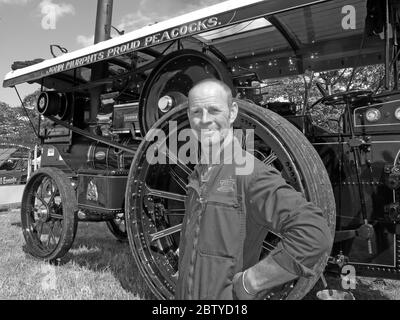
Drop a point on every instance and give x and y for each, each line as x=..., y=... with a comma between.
x=205, y=117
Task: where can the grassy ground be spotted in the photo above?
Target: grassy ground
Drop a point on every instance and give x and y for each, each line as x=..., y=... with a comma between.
x=96, y=267
x=366, y=288
x=99, y=267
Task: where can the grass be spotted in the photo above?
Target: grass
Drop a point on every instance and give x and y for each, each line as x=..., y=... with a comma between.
x=366, y=288
x=96, y=267
x=99, y=267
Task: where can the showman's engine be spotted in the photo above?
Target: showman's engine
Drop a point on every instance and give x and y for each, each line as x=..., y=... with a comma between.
x=98, y=104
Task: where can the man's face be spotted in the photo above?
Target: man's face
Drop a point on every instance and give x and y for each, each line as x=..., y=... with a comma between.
x=209, y=114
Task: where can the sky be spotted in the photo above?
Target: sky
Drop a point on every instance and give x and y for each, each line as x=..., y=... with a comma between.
x=26, y=31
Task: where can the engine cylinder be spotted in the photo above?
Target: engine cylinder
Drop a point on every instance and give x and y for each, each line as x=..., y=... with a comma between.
x=101, y=156
x=52, y=103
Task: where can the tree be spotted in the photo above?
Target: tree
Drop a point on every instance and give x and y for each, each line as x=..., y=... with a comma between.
x=15, y=125
x=303, y=91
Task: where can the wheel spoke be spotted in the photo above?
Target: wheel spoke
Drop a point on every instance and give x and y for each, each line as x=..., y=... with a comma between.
x=60, y=225
x=54, y=233
x=174, y=159
x=270, y=159
x=55, y=215
x=175, y=212
x=166, y=232
x=50, y=234
x=165, y=194
x=178, y=179
x=41, y=199
x=56, y=211
x=43, y=187
x=39, y=232
x=53, y=194
x=59, y=228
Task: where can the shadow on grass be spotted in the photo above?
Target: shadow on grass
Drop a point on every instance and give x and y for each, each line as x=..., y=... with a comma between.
x=17, y=224
x=95, y=248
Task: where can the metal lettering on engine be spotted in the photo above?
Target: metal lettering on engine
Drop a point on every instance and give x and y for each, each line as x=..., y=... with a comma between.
x=130, y=117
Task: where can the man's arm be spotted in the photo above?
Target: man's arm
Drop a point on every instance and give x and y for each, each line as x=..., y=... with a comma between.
x=304, y=231
x=262, y=277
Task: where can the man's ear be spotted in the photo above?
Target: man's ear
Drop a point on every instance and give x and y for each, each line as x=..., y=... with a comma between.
x=233, y=112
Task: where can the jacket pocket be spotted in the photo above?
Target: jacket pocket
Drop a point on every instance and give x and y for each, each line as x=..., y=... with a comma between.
x=222, y=228
x=215, y=275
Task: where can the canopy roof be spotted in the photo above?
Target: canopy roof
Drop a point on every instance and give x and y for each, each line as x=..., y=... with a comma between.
x=274, y=37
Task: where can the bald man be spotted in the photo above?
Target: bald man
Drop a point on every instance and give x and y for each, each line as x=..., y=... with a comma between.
x=228, y=214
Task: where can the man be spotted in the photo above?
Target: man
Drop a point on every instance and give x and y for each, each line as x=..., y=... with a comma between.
x=228, y=214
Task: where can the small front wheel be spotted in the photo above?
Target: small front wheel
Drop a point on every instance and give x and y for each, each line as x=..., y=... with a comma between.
x=49, y=214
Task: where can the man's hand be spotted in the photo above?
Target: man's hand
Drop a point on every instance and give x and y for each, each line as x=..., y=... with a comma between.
x=240, y=286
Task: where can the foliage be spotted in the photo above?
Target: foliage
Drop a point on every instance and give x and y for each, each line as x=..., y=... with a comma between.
x=15, y=126
x=303, y=90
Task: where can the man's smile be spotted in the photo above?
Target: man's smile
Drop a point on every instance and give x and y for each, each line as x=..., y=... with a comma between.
x=208, y=132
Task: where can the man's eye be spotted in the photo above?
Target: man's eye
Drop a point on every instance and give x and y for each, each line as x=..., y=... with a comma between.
x=213, y=110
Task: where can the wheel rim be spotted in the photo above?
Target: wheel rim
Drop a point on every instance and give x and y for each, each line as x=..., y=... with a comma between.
x=44, y=223
x=47, y=216
x=156, y=194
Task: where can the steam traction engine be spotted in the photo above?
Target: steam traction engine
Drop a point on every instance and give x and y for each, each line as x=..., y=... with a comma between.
x=98, y=105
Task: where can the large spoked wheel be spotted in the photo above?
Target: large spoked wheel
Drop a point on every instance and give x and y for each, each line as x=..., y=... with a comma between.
x=156, y=193
x=49, y=214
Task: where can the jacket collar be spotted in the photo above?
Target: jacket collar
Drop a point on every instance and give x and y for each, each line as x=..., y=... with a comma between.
x=231, y=149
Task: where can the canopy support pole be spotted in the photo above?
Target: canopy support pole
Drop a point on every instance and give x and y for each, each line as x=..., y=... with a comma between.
x=99, y=70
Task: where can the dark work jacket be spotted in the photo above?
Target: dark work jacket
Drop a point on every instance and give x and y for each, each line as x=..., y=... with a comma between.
x=227, y=219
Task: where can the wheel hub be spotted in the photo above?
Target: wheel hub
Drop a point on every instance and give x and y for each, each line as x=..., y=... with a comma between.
x=44, y=214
